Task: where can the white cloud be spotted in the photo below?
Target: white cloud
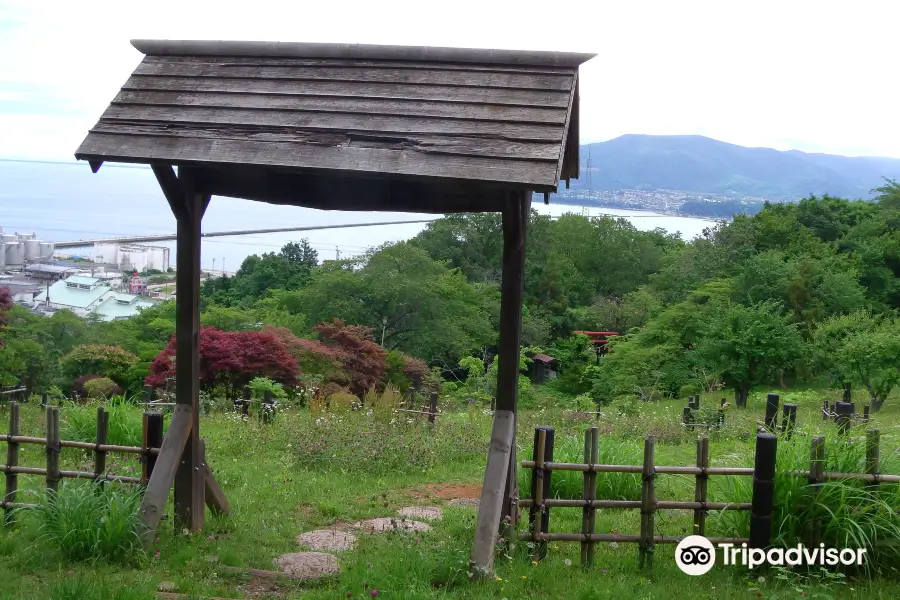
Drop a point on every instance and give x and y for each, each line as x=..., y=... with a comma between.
x=814, y=75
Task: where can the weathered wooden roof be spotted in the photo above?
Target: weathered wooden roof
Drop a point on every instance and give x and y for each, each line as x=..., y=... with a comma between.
x=245, y=111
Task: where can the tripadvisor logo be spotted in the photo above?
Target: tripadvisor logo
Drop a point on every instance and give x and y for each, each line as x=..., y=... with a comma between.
x=696, y=555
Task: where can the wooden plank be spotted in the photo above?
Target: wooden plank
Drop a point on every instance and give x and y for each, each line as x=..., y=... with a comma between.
x=366, y=106
x=537, y=175
x=431, y=144
x=215, y=497
x=648, y=504
x=12, y=460
x=53, y=448
x=700, y=485
x=339, y=89
x=539, y=552
x=566, y=127
x=189, y=478
x=358, y=63
x=490, y=505
x=330, y=121
x=525, y=81
x=171, y=187
x=167, y=464
x=360, y=52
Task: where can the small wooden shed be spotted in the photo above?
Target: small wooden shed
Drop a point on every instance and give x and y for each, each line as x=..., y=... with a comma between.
x=341, y=127
x=542, y=368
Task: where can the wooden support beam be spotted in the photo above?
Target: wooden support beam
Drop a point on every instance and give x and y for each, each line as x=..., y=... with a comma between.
x=490, y=506
x=215, y=497
x=167, y=463
x=190, y=477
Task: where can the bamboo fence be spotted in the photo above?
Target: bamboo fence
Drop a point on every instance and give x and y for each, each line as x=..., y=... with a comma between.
x=760, y=507
x=152, y=437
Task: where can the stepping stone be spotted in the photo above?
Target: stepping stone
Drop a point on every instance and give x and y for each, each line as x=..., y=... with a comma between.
x=327, y=539
x=308, y=565
x=464, y=502
x=382, y=524
x=433, y=513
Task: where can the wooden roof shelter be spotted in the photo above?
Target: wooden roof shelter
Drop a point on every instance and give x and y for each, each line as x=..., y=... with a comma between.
x=341, y=127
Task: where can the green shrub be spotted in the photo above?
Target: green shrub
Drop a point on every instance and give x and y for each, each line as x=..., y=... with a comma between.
x=259, y=385
x=89, y=588
x=91, y=521
x=101, y=389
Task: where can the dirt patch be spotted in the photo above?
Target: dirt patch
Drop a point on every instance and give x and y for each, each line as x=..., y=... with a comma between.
x=445, y=491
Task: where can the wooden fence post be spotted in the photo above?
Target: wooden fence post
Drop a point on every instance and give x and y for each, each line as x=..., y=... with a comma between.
x=843, y=417
x=591, y=453
x=763, y=490
x=539, y=516
x=44, y=400
x=53, y=448
x=266, y=411
x=866, y=413
x=873, y=458
x=102, y=439
x=697, y=402
x=245, y=404
x=12, y=460
x=687, y=416
x=772, y=412
x=648, y=505
x=848, y=393
x=722, y=412
x=700, y=485
x=788, y=419
x=152, y=438
x=148, y=394
x=816, y=479
x=432, y=410
x=825, y=411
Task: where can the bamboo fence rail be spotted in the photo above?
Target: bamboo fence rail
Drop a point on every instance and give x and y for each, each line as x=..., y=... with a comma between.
x=760, y=507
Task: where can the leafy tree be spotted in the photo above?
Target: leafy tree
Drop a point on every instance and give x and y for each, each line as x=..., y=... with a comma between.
x=749, y=345
x=101, y=388
x=363, y=361
x=36, y=368
x=861, y=348
x=312, y=356
x=5, y=306
x=108, y=361
x=231, y=359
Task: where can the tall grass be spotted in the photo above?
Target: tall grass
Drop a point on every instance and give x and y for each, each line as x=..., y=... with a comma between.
x=91, y=588
x=570, y=484
x=91, y=521
x=80, y=423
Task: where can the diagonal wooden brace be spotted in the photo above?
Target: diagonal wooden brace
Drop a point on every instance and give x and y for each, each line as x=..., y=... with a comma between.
x=167, y=463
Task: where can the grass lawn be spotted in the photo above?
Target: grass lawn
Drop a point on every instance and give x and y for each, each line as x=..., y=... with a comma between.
x=311, y=471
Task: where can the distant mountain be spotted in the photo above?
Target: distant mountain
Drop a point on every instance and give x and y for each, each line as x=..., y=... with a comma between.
x=699, y=164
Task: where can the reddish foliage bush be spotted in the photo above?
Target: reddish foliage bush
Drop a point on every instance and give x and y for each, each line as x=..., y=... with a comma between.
x=5, y=304
x=78, y=385
x=415, y=370
x=363, y=360
x=314, y=357
x=232, y=359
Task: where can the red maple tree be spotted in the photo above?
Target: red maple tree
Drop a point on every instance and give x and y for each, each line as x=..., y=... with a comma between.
x=231, y=359
x=5, y=304
x=363, y=360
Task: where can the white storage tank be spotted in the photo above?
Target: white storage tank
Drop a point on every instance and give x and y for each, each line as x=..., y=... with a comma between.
x=32, y=249
x=159, y=258
x=106, y=253
x=46, y=250
x=133, y=258
x=2, y=254
x=15, y=254
x=9, y=238
x=24, y=237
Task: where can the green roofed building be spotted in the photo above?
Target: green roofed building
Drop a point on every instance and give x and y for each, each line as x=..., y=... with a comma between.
x=90, y=296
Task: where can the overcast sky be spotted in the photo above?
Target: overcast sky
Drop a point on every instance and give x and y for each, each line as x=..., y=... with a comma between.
x=809, y=75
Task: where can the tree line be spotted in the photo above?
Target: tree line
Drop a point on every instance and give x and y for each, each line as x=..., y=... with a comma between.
x=796, y=293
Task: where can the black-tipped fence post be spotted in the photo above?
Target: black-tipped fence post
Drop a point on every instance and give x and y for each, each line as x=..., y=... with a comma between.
x=697, y=402
x=44, y=401
x=763, y=490
x=153, y=438
x=432, y=408
x=848, y=393
x=687, y=416
x=538, y=510
x=245, y=403
x=148, y=394
x=844, y=414
x=788, y=419
x=866, y=413
x=772, y=412
x=825, y=410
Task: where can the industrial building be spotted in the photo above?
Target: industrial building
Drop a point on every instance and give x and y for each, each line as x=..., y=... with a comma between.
x=19, y=249
x=90, y=296
x=132, y=257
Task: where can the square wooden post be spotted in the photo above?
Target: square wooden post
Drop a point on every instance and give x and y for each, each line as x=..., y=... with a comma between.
x=498, y=491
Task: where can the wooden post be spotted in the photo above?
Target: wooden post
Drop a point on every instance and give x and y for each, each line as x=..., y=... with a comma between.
x=148, y=393
x=152, y=438
x=12, y=460
x=697, y=402
x=816, y=480
x=432, y=409
x=832, y=411
x=843, y=417
x=788, y=419
x=687, y=416
x=267, y=408
x=537, y=492
x=53, y=448
x=44, y=400
x=825, y=411
x=648, y=505
x=515, y=219
x=848, y=392
x=873, y=459
x=102, y=439
x=247, y=400
x=866, y=413
x=700, y=485
x=772, y=412
x=763, y=490
x=588, y=518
